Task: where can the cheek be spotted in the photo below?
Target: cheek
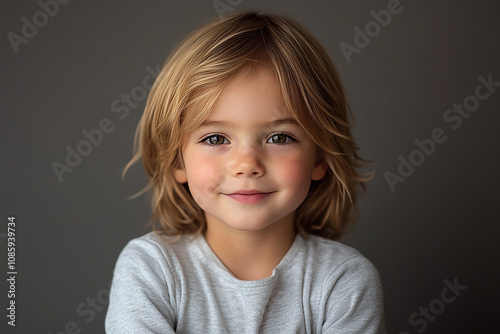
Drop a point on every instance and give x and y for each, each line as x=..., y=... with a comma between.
x=296, y=174
x=203, y=177
x=198, y=167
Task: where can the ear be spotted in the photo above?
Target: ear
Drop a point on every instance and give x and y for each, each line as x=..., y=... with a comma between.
x=180, y=175
x=179, y=169
x=319, y=171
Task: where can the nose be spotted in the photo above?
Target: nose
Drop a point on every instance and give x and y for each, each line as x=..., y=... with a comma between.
x=247, y=162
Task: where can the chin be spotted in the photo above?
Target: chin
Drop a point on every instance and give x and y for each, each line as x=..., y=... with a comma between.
x=254, y=223
x=249, y=225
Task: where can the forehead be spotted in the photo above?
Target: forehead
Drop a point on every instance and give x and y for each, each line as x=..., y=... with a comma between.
x=253, y=95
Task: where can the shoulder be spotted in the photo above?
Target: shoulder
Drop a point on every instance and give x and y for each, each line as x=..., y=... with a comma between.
x=144, y=285
x=350, y=290
x=341, y=271
x=154, y=254
x=152, y=244
x=333, y=256
x=152, y=264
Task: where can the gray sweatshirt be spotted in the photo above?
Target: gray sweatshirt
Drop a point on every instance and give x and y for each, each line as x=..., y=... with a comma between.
x=320, y=286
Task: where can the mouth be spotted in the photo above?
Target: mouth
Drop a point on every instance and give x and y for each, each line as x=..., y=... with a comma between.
x=249, y=196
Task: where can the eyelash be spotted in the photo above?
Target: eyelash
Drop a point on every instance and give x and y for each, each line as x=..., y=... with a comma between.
x=206, y=138
x=289, y=139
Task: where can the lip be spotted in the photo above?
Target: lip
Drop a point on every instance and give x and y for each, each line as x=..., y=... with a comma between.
x=249, y=196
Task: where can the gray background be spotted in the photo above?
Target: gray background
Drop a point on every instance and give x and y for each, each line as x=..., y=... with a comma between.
x=438, y=225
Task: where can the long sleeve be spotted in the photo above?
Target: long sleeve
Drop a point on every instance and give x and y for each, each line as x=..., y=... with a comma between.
x=140, y=296
x=354, y=299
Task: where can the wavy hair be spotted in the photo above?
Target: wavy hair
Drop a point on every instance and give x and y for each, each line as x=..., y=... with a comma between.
x=193, y=77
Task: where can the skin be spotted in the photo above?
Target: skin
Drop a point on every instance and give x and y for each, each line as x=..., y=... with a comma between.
x=249, y=166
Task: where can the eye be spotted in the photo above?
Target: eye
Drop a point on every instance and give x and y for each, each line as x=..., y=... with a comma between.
x=280, y=139
x=215, y=140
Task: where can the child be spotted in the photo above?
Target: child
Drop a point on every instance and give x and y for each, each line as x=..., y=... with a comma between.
x=247, y=143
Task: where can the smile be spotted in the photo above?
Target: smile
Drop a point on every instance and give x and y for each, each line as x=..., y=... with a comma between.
x=249, y=197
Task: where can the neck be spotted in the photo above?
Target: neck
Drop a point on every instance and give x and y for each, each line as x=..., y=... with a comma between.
x=251, y=255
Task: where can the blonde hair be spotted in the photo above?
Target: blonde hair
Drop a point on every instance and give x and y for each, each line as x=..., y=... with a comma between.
x=192, y=79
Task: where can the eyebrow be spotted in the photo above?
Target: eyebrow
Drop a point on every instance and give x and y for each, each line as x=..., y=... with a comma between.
x=226, y=124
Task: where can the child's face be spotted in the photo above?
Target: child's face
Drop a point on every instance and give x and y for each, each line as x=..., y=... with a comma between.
x=249, y=165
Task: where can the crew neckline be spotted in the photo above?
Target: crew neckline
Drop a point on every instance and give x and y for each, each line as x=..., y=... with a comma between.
x=216, y=263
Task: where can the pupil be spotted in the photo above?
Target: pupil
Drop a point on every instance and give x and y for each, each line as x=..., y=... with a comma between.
x=278, y=138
